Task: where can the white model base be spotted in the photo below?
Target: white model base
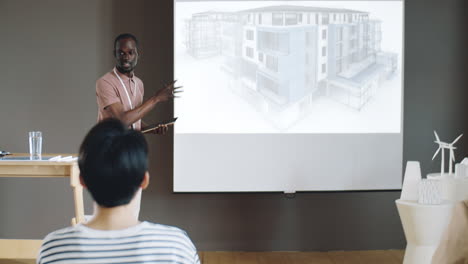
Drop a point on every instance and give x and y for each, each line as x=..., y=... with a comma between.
x=451, y=188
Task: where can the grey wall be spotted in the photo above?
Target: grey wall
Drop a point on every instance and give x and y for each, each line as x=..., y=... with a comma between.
x=52, y=51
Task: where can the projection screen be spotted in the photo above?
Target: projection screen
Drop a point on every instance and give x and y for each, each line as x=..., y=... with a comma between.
x=288, y=95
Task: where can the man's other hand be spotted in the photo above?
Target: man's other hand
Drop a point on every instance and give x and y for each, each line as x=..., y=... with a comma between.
x=160, y=130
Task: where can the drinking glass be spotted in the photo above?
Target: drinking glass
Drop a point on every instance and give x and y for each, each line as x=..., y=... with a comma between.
x=35, y=145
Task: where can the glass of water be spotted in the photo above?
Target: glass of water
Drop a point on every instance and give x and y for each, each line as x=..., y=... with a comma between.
x=35, y=145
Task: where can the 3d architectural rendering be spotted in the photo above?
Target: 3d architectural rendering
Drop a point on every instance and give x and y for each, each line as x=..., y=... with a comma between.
x=281, y=58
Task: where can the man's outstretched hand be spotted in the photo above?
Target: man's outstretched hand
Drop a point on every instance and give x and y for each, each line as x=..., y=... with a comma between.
x=168, y=92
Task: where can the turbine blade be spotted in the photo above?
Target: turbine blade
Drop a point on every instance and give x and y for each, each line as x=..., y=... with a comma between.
x=455, y=141
x=437, y=137
x=452, y=154
x=435, y=154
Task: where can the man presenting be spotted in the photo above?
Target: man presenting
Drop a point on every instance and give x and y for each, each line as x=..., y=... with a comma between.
x=120, y=93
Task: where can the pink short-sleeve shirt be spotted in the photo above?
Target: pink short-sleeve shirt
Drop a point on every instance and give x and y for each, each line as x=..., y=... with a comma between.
x=109, y=90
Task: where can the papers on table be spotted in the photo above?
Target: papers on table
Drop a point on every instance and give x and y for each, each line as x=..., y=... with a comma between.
x=60, y=158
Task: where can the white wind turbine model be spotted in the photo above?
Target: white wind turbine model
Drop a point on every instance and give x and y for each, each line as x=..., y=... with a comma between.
x=443, y=146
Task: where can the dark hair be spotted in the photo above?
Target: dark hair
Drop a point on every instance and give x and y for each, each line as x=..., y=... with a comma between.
x=113, y=161
x=125, y=36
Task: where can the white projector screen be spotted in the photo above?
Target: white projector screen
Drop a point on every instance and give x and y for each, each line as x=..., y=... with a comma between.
x=288, y=95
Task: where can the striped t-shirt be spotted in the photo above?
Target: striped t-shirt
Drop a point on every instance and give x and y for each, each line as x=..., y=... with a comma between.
x=143, y=243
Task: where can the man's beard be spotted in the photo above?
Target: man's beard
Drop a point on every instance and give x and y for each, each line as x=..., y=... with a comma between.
x=126, y=70
x=123, y=69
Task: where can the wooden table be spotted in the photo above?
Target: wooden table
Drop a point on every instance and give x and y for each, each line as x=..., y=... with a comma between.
x=35, y=169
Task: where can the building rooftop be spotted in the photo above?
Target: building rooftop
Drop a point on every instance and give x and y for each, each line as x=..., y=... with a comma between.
x=291, y=8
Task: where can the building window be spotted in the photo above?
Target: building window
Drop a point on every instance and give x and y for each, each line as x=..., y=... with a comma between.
x=290, y=19
x=308, y=18
x=339, y=33
x=277, y=19
x=325, y=19
x=339, y=50
x=316, y=19
x=260, y=57
x=249, y=52
x=324, y=34
x=273, y=41
x=324, y=51
x=272, y=63
x=307, y=59
x=339, y=66
x=334, y=17
x=299, y=17
x=259, y=19
x=249, y=34
x=268, y=84
x=324, y=68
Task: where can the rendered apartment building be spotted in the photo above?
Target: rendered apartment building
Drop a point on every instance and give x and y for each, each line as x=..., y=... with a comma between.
x=281, y=58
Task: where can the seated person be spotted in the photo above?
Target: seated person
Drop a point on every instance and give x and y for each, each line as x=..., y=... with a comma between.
x=114, y=168
x=453, y=246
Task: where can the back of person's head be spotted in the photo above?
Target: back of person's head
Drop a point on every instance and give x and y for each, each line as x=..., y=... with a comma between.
x=113, y=161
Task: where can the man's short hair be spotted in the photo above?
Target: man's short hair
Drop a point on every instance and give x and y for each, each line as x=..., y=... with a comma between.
x=125, y=36
x=113, y=161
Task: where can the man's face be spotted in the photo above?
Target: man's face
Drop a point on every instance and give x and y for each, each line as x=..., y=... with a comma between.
x=126, y=54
